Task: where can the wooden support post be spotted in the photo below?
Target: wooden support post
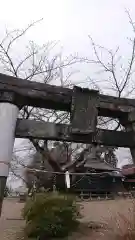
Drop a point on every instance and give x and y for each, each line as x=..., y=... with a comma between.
x=8, y=117
x=3, y=180
x=129, y=125
x=84, y=111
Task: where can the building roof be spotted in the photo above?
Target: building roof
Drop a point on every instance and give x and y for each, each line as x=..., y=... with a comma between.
x=98, y=164
x=116, y=174
x=128, y=170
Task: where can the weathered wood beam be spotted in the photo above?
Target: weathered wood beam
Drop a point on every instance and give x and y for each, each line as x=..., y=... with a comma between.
x=59, y=98
x=48, y=130
x=38, y=94
x=84, y=112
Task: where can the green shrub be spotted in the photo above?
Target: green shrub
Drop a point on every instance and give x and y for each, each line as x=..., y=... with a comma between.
x=51, y=215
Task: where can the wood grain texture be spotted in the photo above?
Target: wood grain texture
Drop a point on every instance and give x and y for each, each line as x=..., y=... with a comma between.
x=47, y=130
x=60, y=98
x=84, y=111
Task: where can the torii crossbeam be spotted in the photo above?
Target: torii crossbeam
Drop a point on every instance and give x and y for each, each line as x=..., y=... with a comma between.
x=84, y=106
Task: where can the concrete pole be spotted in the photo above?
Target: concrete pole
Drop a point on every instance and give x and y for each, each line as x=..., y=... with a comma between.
x=8, y=117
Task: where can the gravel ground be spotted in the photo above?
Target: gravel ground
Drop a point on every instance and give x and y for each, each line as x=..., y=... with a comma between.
x=100, y=211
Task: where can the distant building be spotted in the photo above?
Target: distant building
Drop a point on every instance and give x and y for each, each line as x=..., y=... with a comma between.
x=128, y=172
x=99, y=177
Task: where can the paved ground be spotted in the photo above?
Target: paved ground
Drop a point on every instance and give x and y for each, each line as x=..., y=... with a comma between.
x=10, y=222
x=101, y=211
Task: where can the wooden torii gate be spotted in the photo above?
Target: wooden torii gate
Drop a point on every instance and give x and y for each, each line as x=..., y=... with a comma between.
x=84, y=105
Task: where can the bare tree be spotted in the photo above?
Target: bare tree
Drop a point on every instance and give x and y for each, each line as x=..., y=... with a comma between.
x=118, y=75
x=120, y=80
x=38, y=63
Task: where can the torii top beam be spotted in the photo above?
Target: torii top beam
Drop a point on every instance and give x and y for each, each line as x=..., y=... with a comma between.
x=54, y=97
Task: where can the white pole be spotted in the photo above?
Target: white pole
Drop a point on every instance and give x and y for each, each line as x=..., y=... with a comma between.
x=8, y=117
x=67, y=179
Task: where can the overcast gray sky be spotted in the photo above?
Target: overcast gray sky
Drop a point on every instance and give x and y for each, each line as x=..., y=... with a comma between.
x=70, y=22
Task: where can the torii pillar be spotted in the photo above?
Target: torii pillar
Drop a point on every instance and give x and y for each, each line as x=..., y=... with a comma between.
x=131, y=119
x=9, y=110
x=129, y=125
